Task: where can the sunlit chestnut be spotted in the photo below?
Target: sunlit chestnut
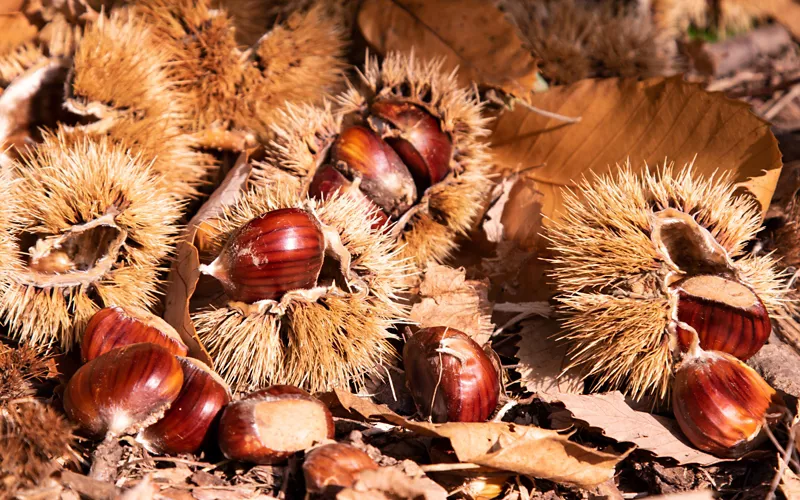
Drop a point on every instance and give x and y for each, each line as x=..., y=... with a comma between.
x=124, y=390
x=450, y=376
x=116, y=326
x=185, y=426
x=274, y=253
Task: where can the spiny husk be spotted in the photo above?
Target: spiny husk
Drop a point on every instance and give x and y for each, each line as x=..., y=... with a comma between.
x=318, y=343
x=56, y=188
x=675, y=17
x=611, y=278
x=299, y=60
x=579, y=39
x=305, y=134
x=36, y=441
x=122, y=77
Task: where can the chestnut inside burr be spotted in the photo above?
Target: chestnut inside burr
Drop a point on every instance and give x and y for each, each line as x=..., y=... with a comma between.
x=83, y=253
x=387, y=159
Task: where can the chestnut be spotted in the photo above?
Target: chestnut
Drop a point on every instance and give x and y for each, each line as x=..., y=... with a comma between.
x=123, y=390
x=727, y=316
x=334, y=465
x=417, y=137
x=116, y=326
x=186, y=424
x=328, y=181
x=451, y=378
x=361, y=153
x=274, y=253
x=269, y=429
x=721, y=404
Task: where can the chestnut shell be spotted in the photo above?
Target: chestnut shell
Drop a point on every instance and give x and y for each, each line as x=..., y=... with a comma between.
x=450, y=376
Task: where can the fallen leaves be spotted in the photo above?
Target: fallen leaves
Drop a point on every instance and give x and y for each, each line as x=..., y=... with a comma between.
x=500, y=445
x=492, y=55
x=541, y=360
x=448, y=298
x=647, y=121
x=612, y=415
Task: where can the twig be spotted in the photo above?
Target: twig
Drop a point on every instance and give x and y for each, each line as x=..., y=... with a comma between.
x=449, y=467
x=773, y=487
x=496, y=99
x=782, y=102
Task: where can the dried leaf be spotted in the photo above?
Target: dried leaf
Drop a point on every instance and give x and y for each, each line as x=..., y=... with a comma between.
x=185, y=273
x=645, y=121
x=492, y=222
x=392, y=483
x=611, y=414
x=542, y=359
x=449, y=299
x=473, y=35
x=790, y=483
x=500, y=445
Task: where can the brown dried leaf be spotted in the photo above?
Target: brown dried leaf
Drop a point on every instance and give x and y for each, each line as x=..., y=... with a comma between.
x=612, y=415
x=542, y=359
x=449, y=299
x=645, y=121
x=473, y=35
x=790, y=483
x=392, y=483
x=500, y=445
x=185, y=273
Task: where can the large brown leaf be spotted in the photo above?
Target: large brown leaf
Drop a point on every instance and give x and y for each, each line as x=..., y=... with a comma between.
x=472, y=35
x=645, y=121
x=500, y=445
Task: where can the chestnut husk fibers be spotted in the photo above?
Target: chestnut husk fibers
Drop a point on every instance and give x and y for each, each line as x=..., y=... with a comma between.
x=613, y=281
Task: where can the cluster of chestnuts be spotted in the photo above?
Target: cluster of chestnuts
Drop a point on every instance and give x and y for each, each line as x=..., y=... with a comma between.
x=721, y=404
x=388, y=162
x=136, y=380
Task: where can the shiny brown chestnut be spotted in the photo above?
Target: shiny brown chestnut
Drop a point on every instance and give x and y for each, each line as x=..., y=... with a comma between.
x=328, y=181
x=186, y=424
x=114, y=327
x=417, y=137
x=721, y=404
x=334, y=465
x=269, y=429
x=274, y=253
x=124, y=390
x=450, y=376
x=360, y=153
x=727, y=316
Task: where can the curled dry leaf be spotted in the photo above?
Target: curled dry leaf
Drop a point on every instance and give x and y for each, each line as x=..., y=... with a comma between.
x=473, y=35
x=450, y=299
x=501, y=445
x=541, y=360
x=392, y=483
x=647, y=121
x=617, y=420
x=185, y=273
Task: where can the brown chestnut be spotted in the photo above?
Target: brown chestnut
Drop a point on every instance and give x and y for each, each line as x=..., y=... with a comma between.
x=269, y=429
x=418, y=139
x=334, y=465
x=274, y=253
x=360, y=153
x=328, y=181
x=278, y=390
x=116, y=326
x=450, y=376
x=727, y=316
x=721, y=403
x=123, y=390
x=186, y=424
